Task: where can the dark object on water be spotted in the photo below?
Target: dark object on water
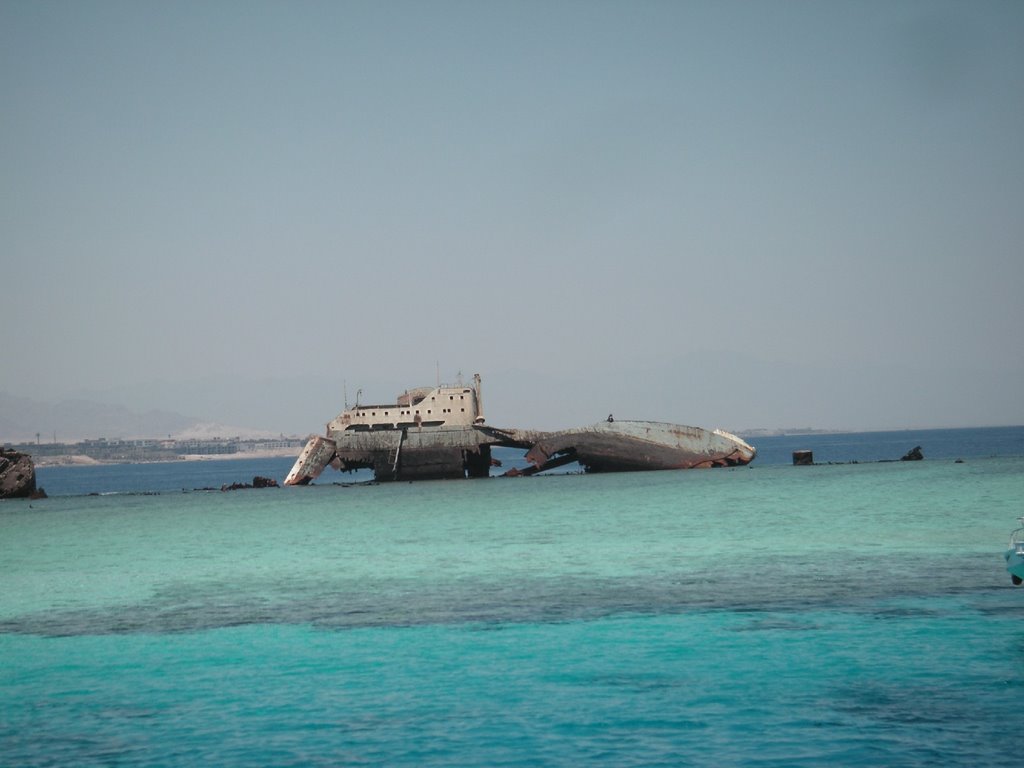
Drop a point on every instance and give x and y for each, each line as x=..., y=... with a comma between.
x=257, y=482
x=17, y=475
x=914, y=454
x=803, y=458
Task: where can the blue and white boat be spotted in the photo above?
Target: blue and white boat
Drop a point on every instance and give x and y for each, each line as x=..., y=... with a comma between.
x=1015, y=554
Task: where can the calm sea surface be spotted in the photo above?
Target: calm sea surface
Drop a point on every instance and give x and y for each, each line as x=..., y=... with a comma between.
x=854, y=613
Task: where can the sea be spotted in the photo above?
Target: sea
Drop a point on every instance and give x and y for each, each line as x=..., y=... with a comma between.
x=856, y=612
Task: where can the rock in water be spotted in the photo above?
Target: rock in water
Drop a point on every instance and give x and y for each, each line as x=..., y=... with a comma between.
x=17, y=475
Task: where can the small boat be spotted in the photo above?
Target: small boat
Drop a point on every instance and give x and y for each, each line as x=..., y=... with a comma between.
x=1015, y=555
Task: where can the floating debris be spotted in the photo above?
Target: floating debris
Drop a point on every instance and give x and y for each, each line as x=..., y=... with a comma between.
x=914, y=454
x=257, y=482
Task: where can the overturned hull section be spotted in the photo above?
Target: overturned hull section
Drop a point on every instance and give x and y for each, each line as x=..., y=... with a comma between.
x=629, y=446
x=318, y=453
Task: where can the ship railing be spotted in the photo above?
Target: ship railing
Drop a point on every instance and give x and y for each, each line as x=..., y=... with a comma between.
x=1017, y=538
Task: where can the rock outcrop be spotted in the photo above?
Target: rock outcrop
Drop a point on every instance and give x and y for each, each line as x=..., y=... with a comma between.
x=17, y=475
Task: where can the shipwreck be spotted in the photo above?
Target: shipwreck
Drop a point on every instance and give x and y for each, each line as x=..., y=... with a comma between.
x=432, y=433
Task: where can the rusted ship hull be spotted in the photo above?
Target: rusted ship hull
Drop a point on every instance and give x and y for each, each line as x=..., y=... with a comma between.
x=416, y=454
x=630, y=446
x=435, y=454
x=424, y=453
x=17, y=475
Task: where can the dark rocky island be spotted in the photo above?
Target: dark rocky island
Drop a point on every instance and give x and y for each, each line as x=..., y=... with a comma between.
x=17, y=475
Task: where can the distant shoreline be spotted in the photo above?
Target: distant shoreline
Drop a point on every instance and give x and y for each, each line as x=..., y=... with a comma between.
x=80, y=460
x=293, y=451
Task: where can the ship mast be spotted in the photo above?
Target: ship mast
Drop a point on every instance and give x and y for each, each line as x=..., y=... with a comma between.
x=479, y=397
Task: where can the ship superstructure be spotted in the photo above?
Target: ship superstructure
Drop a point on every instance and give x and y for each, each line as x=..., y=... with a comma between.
x=446, y=405
x=427, y=433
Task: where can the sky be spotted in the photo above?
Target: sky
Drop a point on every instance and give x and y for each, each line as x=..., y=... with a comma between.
x=725, y=214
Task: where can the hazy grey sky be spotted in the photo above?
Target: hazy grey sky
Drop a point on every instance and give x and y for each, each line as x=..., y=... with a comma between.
x=737, y=214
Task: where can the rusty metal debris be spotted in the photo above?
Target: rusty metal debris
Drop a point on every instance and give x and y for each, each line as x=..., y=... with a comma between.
x=440, y=432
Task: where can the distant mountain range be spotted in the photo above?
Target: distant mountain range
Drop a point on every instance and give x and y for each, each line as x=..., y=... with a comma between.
x=23, y=420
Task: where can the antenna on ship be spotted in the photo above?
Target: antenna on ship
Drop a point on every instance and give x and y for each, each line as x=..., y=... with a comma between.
x=479, y=399
x=344, y=388
x=437, y=371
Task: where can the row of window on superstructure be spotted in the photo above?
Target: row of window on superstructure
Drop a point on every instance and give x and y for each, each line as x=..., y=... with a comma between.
x=366, y=414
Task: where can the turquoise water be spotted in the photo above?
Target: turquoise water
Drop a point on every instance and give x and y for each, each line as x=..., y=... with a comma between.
x=854, y=614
